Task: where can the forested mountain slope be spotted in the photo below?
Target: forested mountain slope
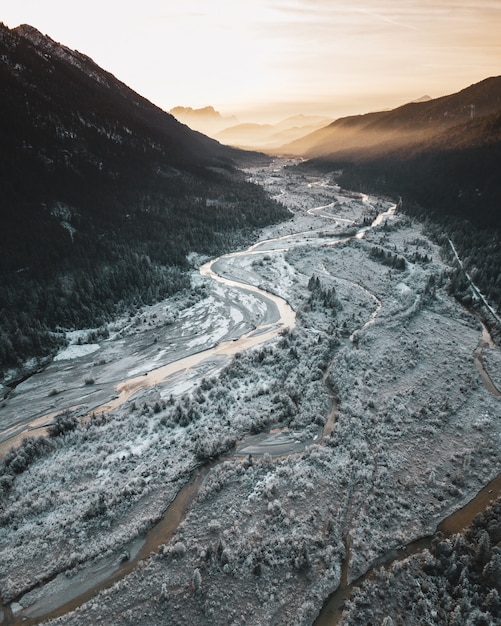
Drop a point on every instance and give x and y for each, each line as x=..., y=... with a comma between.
x=443, y=153
x=442, y=157
x=378, y=132
x=102, y=195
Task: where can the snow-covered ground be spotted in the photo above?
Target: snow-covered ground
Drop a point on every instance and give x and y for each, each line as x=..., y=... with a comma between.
x=76, y=351
x=416, y=432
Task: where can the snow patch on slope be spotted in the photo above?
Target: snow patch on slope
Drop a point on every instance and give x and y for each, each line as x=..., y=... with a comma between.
x=74, y=352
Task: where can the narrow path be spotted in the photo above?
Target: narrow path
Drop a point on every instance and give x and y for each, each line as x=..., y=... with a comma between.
x=474, y=288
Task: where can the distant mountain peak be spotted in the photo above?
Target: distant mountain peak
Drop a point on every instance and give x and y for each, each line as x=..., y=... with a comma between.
x=424, y=98
x=205, y=119
x=208, y=111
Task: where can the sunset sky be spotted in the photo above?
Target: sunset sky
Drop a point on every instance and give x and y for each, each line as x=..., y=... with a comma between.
x=278, y=57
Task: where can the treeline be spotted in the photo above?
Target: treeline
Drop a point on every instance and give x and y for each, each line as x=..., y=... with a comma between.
x=385, y=257
x=77, y=299
x=84, y=272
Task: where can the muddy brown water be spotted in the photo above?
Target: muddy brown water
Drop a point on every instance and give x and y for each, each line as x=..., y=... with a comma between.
x=114, y=569
x=331, y=612
x=284, y=318
x=164, y=531
x=56, y=599
x=110, y=570
x=457, y=522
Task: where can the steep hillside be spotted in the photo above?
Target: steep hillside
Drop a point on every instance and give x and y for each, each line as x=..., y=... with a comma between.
x=376, y=133
x=441, y=154
x=103, y=194
x=442, y=157
x=454, y=172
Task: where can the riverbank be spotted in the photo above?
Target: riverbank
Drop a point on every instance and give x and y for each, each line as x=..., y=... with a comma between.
x=415, y=436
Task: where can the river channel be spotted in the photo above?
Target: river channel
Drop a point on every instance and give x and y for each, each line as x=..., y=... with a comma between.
x=63, y=594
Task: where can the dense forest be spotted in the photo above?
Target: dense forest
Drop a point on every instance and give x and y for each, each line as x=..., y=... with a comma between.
x=87, y=277
x=480, y=252
x=454, y=173
x=82, y=273
x=103, y=197
x=441, y=154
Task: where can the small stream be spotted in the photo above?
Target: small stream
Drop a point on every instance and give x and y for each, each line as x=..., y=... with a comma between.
x=330, y=614
x=457, y=522
x=63, y=594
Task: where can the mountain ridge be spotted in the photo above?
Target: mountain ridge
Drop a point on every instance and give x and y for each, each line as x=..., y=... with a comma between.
x=97, y=182
x=411, y=122
x=440, y=154
x=205, y=120
x=248, y=135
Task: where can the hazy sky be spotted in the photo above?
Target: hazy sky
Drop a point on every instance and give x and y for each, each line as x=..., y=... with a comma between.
x=300, y=56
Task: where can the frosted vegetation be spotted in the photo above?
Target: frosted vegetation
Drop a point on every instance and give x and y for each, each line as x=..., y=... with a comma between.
x=457, y=581
x=416, y=435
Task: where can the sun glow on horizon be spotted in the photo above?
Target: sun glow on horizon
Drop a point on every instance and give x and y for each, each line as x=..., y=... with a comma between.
x=279, y=57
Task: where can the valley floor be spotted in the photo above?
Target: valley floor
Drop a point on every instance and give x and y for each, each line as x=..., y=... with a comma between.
x=260, y=538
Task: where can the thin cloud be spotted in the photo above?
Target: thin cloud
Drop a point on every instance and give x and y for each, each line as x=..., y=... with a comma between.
x=386, y=19
x=230, y=53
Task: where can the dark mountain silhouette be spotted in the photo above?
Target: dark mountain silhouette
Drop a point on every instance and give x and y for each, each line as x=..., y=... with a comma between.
x=102, y=194
x=441, y=153
x=376, y=133
x=442, y=157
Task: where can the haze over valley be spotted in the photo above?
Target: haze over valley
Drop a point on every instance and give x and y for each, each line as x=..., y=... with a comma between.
x=250, y=370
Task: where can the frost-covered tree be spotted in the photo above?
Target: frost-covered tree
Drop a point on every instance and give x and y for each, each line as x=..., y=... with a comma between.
x=196, y=581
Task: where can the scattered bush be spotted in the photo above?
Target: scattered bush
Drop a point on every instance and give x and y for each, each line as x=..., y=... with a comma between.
x=63, y=423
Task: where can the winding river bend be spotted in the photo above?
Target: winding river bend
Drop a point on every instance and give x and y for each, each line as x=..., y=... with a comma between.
x=63, y=596
x=331, y=612
x=279, y=316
